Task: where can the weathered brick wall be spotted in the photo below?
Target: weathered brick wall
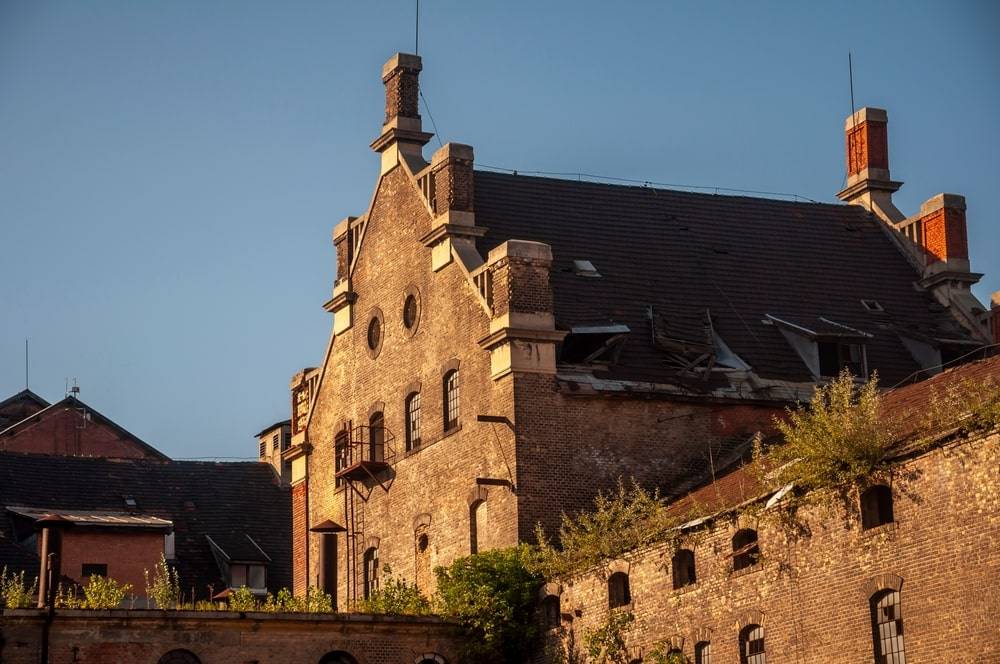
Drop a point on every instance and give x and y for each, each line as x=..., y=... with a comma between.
x=127, y=555
x=299, y=536
x=142, y=637
x=867, y=147
x=945, y=235
x=439, y=478
x=66, y=433
x=811, y=592
x=570, y=447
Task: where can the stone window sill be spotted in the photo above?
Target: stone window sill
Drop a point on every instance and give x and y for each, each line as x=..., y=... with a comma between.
x=683, y=590
x=756, y=567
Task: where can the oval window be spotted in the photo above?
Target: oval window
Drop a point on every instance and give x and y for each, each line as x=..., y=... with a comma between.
x=410, y=311
x=374, y=333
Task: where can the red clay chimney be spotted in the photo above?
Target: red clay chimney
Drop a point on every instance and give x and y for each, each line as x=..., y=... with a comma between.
x=867, y=152
x=943, y=233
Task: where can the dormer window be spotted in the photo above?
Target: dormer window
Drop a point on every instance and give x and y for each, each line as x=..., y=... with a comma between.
x=835, y=356
x=593, y=343
x=130, y=503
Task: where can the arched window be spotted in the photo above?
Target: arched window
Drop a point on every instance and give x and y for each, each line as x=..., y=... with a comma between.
x=179, y=657
x=371, y=572
x=682, y=566
x=551, y=612
x=703, y=652
x=479, y=516
x=376, y=437
x=746, y=550
x=752, y=645
x=887, y=628
x=450, y=400
x=413, y=421
x=337, y=657
x=618, y=590
x=876, y=506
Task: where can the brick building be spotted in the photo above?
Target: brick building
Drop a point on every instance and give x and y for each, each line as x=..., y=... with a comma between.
x=906, y=569
x=504, y=346
x=220, y=525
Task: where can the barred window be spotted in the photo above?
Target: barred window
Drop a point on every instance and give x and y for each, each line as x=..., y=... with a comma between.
x=618, y=590
x=703, y=652
x=413, y=421
x=340, y=454
x=682, y=566
x=451, y=400
x=746, y=549
x=752, y=645
x=274, y=441
x=371, y=572
x=887, y=628
x=263, y=449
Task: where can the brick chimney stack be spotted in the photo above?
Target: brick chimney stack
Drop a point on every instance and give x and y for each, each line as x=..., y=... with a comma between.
x=868, y=182
x=402, y=134
x=943, y=233
x=453, y=179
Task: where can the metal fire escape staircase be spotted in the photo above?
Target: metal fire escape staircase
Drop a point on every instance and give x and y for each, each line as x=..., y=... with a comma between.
x=364, y=463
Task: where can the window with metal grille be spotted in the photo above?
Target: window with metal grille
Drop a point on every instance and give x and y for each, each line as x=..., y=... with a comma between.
x=551, y=612
x=887, y=628
x=263, y=449
x=376, y=437
x=618, y=590
x=413, y=421
x=451, y=400
x=682, y=566
x=752, y=645
x=340, y=455
x=876, y=506
x=746, y=549
x=275, y=441
x=703, y=652
x=371, y=572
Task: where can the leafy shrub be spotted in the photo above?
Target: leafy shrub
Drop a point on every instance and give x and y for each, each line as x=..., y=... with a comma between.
x=315, y=601
x=165, y=588
x=970, y=406
x=396, y=597
x=607, y=642
x=621, y=521
x=103, y=593
x=662, y=654
x=841, y=438
x=15, y=593
x=493, y=595
x=243, y=600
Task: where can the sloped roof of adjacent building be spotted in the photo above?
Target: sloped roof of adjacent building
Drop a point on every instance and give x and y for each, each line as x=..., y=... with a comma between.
x=228, y=501
x=739, y=483
x=738, y=258
x=18, y=406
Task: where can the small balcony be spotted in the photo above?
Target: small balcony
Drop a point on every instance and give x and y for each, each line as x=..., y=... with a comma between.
x=364, y=453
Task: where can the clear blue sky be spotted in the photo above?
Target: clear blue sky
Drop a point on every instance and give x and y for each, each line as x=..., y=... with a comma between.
x=170, y=172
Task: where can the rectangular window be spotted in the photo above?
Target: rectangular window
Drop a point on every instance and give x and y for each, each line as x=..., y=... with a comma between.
x=340, y=455
x=274, y=442
x=237, y=576
x=263, y=449
x=413, y=421
x=835, y=356
x=256, y=576
x=94, y=569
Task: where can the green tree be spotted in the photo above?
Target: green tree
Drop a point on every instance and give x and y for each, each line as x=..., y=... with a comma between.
x=493, y=594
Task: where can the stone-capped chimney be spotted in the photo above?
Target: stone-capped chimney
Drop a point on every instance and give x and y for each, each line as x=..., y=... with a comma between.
x=453, y=179
x=402, y=133
x=995, y=316
x=943, y=233
x=867, y=155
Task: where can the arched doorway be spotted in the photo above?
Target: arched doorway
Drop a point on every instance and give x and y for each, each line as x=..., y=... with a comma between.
x=337, y=657
x=179, y=657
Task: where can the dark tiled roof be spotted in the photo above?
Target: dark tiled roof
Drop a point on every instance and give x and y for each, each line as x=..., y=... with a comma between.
x=16, y=407
x=226, y=500
x=740, y=258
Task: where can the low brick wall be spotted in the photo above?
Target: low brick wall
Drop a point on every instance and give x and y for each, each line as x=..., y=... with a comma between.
x=144, y=637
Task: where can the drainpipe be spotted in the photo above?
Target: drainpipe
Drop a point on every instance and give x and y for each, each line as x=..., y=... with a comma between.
x=50, y=571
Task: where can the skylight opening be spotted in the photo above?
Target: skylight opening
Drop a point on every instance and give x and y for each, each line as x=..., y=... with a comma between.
x=872, y=305
x=584, y=268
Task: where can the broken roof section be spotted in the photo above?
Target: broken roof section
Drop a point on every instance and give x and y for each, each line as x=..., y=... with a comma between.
x=681, y=254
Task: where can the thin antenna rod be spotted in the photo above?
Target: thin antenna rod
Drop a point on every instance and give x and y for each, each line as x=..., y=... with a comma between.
x=26, y=363
x=416, y=39
x=850, y=69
